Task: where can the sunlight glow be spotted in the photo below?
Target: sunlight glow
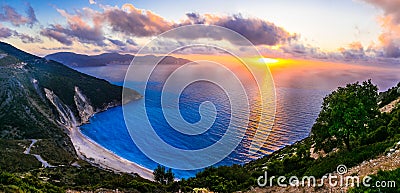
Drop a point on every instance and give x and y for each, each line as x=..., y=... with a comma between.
x=268, y=60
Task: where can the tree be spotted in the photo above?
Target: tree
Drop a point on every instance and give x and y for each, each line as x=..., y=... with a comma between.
x=346, y=114
x=394, y=126
x=162, y=175
x=169, y=176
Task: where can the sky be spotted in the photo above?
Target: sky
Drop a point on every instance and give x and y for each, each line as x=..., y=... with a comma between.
x=351, y=31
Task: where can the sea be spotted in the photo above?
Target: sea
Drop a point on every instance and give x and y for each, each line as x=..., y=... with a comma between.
x=296, y=112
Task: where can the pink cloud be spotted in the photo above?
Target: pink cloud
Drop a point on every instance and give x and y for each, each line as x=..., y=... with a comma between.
x=77, y=28
x=8, y=14
x=258, y=31
x=390, y=22
x=132, y=21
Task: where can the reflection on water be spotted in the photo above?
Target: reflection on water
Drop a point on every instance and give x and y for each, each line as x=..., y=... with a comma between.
x=181, y=103
x=294, y=119
x=297, y=109
x=109, y=130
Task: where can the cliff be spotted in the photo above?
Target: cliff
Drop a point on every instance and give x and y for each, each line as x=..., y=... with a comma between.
x=40, y=98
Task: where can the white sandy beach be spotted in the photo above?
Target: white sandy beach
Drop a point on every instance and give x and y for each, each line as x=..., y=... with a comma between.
x=94, y=153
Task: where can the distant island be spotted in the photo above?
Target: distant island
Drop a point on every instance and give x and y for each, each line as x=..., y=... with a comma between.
x=80, y=60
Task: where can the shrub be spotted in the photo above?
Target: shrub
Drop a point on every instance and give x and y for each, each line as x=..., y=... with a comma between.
x=381, y=176
x=378, y=135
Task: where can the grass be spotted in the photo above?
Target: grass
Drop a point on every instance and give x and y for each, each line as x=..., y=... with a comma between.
x=12, y=183
x=384, y=177
x=349, y=158
x=85, y=177
x=52, y=152
x=13, y=159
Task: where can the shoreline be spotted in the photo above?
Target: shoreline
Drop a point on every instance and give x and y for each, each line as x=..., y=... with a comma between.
x=101, y=157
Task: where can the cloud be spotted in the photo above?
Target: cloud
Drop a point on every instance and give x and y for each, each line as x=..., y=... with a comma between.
x=56, y=35
x=133, y=21
x=357, y=46
x=390, y=7
x=117, y=42
x=392, y=50
x=131, y=42
x=390, y=22
x=390, y=37
x=88, y=26
x=92, y=2
x=27, y=38
x=5, y=32
x=258, y=31
x=353, y=51
x=297, y=49
x=205, y=50
x=8, y=14
x=31, y=15
x=77, y=29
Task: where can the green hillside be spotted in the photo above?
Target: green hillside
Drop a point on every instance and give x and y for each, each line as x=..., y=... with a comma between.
x=26, y=113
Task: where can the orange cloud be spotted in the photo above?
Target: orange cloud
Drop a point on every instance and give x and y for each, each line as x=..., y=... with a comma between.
x=356, y=46
x=390, y=7
x=390, y=38
x=134, y=21
x=77, y=28
x=390, y=22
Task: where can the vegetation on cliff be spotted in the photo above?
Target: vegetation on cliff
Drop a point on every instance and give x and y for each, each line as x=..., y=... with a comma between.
x=26, y=113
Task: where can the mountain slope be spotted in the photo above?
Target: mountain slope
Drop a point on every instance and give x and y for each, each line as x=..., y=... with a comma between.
x=80, y=60
x=27, y=85
x=389, y=96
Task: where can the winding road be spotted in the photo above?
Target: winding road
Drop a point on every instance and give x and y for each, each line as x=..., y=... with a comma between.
x=38, y=157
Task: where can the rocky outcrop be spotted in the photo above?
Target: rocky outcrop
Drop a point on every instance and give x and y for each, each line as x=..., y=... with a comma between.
x=66, y=117
x=35, y=84
x=389, y=107
x=394, y=149
x=85, y=148
x=83, y=106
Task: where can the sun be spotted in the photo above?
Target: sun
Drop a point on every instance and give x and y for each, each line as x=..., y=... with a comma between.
x=268, y=60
